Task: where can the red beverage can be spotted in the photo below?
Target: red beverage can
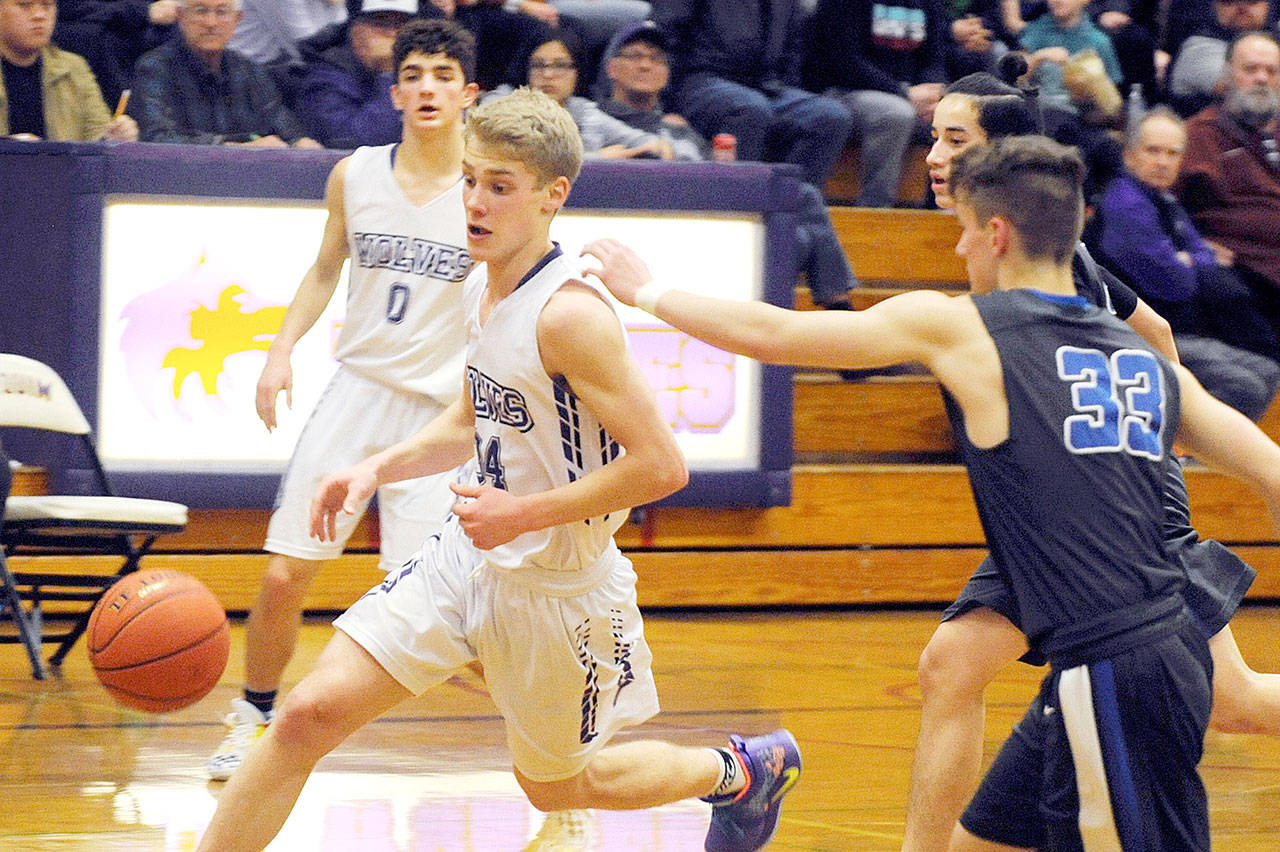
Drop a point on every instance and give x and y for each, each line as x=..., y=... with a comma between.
x=724, y=148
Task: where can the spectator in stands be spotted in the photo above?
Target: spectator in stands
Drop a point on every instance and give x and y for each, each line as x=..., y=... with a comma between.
x=269, y=31
x=636, y=65
x=1184, y=18
x=45, y=92
x=1053, y=38
x=738, y=66
x=1198, y=68
x=637, y=70
x=193, y=89
x=886, y=62
x=596, y=22
x=1131, y=26
x=346, y=95
x=1144, y=235
x=112, y=34
x=1230, y=179
x=978, y=37
x=553, y=70
x=505, y=34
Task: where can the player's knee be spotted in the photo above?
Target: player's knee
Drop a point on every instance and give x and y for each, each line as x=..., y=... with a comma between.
x=1235, y=704
x=308, y=723
x=944, y=672
x=286, y=580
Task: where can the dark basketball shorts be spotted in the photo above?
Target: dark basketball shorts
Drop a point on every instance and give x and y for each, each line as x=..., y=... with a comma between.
x=1106, y=756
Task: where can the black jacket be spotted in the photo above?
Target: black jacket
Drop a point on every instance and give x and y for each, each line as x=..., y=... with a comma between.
x=178, y=99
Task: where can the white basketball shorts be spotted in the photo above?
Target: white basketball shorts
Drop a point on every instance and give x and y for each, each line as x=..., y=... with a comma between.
x=354, y=419
x=566, y=673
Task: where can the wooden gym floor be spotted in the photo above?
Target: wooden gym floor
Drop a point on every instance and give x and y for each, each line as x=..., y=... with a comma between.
x=78, y=773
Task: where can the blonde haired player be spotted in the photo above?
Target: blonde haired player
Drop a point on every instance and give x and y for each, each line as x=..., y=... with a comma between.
x=396, y=212
x=525, y=577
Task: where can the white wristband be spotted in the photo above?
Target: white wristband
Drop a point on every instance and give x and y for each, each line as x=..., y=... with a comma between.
x=648, y=295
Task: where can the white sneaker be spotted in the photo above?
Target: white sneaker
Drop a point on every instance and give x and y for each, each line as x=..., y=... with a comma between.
x=564, y=831
x=245, y=723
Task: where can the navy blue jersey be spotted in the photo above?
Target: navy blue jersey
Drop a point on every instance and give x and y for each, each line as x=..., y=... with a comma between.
x=1072, y=503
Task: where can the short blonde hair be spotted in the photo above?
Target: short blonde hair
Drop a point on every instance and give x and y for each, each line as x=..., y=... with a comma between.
x=531, y=127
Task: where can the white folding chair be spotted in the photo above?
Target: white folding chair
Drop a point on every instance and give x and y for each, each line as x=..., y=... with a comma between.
x=33, y=396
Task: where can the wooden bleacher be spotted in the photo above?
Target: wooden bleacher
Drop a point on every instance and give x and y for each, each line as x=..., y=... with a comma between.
x=881, y=513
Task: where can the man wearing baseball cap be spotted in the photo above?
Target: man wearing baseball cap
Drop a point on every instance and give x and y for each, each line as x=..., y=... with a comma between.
x=345, y=97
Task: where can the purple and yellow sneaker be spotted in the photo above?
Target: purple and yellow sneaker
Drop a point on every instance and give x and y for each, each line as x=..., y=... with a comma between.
x=749, y=820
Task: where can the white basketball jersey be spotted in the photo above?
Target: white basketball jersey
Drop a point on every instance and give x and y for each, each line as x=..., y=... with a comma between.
x=404, y=325
x=532, y=432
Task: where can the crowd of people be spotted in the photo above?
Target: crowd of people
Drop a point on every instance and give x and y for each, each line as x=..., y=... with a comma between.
x=792, y=82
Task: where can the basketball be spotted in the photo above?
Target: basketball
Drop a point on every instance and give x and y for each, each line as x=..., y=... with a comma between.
x=158, y=640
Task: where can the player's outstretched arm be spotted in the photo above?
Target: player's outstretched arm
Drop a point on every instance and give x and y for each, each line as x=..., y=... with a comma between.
x=444, y=443
x=915, y=326
x=581, y=339
x=309, y=302
x=1226, y=440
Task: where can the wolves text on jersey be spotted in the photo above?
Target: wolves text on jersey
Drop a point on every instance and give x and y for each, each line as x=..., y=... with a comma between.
x=412, y=255
x=493, y=401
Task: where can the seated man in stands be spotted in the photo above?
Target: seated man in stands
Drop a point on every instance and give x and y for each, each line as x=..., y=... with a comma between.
x=1230, y=179
x=346, y=93
x=47, y=93
x=887, y=63
x=193, y=89
x=636, y=65
x=738, y=68
x=1146, y=236
x=1197, y=71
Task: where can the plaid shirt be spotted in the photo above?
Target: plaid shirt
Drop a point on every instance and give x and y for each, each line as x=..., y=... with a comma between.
x=178, y=99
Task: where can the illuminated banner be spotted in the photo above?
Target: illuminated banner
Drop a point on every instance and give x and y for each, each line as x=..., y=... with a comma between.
x=184, y=334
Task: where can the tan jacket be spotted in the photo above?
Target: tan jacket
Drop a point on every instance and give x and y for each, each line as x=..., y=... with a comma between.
x=73, y=106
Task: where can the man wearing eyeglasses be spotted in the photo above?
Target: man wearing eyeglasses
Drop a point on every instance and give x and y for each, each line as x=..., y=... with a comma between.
x=193, y=89
x=1230, y=179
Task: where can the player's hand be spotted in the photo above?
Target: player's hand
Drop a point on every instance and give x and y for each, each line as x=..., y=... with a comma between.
x=345, y=491
x=276, y=376
x=621, y=269
x=489, y=516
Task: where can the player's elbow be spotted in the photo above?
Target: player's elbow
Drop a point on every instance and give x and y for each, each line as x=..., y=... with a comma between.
x=672, y=475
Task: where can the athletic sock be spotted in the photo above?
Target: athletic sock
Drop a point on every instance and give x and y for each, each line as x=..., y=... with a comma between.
x=733, y=778
x=264, y=701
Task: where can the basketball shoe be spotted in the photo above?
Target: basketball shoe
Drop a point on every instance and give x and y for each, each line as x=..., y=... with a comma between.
x=564, y=831
x=749, y=820
x=245, y=723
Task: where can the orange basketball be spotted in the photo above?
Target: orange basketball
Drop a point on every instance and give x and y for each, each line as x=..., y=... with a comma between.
x=158, y=640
